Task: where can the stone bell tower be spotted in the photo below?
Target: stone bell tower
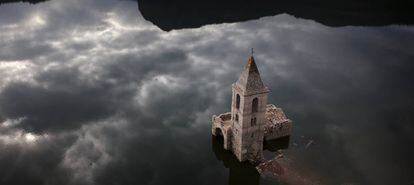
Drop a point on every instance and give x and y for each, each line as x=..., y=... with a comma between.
x=248, y=109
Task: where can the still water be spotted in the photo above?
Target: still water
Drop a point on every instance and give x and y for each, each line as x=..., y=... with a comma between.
x=91, y=93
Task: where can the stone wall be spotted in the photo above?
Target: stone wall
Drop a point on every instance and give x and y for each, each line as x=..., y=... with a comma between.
x=277, y=125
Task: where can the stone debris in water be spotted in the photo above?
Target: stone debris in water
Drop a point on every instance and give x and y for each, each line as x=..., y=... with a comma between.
x=282, y=170
x=270, y=168
x=280, y=156
x=309, y=144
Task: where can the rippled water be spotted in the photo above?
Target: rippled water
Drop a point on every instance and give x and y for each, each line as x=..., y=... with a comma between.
x=91, y=93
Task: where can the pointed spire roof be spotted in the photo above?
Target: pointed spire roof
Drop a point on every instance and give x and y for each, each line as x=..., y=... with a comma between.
x=249, y=80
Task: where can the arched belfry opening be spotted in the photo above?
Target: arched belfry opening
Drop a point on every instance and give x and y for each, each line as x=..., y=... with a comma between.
x=253, y=121
x=237, y=101
x=255, y=105
x=218, y=133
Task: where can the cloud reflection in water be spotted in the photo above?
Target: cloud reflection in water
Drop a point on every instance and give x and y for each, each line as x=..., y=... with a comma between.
x=122, y=102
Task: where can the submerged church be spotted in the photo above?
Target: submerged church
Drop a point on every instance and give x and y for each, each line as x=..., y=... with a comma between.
x=251, y=120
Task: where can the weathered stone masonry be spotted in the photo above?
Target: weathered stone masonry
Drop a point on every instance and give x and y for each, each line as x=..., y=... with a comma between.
x=251, y=120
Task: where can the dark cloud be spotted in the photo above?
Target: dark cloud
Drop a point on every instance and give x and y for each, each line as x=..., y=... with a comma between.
x=114, y=100
x=144, y=164
x=46, y=110
x=64, y=100
x=34, y=163
x=23, y=50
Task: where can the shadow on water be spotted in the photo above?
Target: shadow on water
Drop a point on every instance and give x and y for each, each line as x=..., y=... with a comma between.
x=276, y=144
x=243, y=172
x=239, y=172
x=178, y=14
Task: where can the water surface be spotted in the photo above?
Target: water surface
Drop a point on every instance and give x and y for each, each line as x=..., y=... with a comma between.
x=91, y=93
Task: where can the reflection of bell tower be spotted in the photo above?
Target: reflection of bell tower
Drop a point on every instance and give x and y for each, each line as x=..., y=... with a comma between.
x=239, y=173
x=248, y=109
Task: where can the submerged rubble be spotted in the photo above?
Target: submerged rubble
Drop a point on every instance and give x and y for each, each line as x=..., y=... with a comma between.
x=270, y=168
x=282, y=170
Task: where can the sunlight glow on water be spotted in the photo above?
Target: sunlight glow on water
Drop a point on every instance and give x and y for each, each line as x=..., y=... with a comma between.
x=30, y=137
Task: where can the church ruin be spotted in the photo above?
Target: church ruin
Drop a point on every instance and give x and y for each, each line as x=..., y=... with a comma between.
x=251, y=120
